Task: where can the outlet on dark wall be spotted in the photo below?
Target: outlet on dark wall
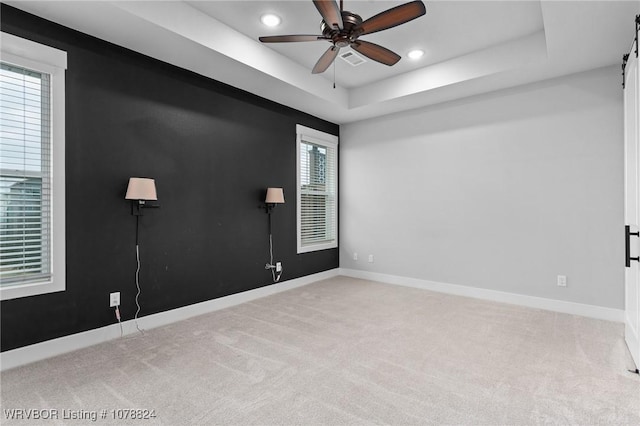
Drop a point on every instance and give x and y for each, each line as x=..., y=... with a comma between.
x=212, y=149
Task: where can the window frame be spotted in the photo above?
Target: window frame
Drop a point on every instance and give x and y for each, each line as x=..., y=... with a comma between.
x=45, y=59
x=307, y=134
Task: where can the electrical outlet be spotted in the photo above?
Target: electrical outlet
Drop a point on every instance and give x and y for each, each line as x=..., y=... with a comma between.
x=562, y=281
x=370, y=258
x=355, y=256
x=114, y=299
x=278, y=266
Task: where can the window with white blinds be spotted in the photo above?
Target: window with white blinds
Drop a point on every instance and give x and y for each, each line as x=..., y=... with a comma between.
x=28, y=188
x=317, y=192
x=25, y=188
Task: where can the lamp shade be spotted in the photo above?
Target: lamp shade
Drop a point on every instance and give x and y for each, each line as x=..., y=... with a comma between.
x=141, y=189
x=274, y=196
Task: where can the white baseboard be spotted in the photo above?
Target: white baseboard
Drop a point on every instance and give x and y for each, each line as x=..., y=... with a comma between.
x=39, y=351
x=591, y=311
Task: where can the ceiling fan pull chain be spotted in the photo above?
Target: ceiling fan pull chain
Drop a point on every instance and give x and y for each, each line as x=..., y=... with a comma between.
x=334, y=74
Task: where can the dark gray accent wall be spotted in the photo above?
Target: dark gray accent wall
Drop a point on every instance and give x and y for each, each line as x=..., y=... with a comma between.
x=213, y=151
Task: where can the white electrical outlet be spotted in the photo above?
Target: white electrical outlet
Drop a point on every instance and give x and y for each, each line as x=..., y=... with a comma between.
x=355, y=256
x=370, y=258
x=114, y=299
x=278, y=266
x=562, y=280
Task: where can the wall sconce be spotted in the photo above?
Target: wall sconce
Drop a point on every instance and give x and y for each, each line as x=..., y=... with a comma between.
x=274, y=197
x=139, y=191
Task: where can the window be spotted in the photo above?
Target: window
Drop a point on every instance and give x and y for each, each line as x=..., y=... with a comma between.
x=317, y=190
x=32, y=222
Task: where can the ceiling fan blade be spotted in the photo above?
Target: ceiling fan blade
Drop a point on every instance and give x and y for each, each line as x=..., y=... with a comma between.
x=290, y=38
x=325, y=60
x=393, y=17
x=330, y=12
x=375, y=52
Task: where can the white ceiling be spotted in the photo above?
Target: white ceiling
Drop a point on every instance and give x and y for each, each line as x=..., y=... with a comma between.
x=471, y=47
x=448, y=30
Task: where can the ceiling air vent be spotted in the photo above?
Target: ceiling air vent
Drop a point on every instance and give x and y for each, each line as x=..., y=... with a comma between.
x=352, y=58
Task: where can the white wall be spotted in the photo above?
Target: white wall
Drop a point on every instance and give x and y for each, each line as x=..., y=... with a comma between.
x=502, y=191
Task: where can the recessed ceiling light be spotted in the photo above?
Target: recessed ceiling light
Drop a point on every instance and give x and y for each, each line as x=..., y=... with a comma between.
x=415, y=54
x=270, y=20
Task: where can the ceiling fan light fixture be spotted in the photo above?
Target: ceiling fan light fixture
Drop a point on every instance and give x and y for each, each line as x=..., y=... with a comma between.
x=415, y=54
x=270, y=20
x=343, y=29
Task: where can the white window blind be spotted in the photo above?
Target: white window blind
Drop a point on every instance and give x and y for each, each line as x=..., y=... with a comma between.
x=25, y=187
x=32, y=168
x=317, y=190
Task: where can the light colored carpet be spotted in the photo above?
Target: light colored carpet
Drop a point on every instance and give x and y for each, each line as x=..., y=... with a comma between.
x=347, y=351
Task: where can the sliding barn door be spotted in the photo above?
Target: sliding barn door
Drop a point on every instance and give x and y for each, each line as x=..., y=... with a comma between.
x=632, y=206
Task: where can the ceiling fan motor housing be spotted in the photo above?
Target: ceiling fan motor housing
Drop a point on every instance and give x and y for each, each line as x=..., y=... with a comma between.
x=345, y=36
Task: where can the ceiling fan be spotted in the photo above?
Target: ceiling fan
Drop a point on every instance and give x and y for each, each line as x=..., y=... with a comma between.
x=343, y=28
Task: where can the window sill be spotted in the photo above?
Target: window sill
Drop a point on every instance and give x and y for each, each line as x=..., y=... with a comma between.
x=31, y=289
